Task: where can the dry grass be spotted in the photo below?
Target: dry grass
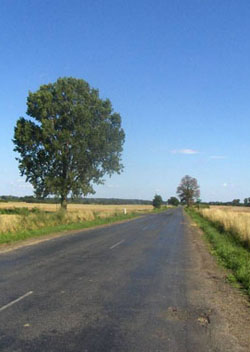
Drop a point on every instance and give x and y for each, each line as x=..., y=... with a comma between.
x=231, y=208
x=76, y=213
x=77, y=207
x=9, y=223
x=233, y=219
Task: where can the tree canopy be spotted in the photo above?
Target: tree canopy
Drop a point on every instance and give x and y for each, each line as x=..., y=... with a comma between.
x=71, y=139
x=157, y=201
x=173, y=201
x=188, y=190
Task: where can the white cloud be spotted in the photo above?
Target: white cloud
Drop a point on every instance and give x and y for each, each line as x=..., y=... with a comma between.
x=185, y=151
x=224, y=184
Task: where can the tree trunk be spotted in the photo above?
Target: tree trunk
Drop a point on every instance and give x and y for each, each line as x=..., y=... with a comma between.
x=64, y=203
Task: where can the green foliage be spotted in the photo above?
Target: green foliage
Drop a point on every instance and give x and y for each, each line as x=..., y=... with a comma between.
x=71, y=141
x=188, y=190
x=236, y=202
x=227, y=248
x=173, y=201
x=247, y=202
x=157, y=201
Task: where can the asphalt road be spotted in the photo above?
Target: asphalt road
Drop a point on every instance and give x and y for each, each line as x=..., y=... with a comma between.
x=119, y=288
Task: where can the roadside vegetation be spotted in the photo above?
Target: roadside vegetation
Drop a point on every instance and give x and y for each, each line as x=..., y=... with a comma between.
x=19, y=223
x=157, y=201
x=235, y=220
x=173, y=201
x=228, y=237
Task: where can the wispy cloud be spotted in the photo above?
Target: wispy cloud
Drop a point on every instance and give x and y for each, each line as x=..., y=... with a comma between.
x=218, y=157
x=184, y=151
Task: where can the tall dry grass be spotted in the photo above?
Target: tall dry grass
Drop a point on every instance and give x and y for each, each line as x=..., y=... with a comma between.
x=49, y=215
x=235, y=220
x=77, y=207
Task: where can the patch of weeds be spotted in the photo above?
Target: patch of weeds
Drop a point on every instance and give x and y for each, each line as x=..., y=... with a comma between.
x=232, y=280
x=229, y=251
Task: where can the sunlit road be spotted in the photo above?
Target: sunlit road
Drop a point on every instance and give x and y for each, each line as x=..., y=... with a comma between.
x=118, y=288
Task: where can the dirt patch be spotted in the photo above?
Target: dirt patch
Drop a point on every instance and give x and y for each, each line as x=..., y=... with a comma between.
x=229, y=321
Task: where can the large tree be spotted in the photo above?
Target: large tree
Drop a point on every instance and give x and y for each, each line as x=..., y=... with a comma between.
x=188, y=190
x=71, y=139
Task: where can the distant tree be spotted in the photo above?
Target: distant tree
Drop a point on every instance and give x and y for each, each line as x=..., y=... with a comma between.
x=247, y=201
x=236, y=202
x=73, y=139
x=188, y=190
x=157, y=201
x=173, y=201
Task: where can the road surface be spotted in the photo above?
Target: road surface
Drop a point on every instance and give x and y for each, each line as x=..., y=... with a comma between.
x=124, y=287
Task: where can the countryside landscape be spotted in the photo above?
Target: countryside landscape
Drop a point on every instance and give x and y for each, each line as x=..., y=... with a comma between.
x=124, y=193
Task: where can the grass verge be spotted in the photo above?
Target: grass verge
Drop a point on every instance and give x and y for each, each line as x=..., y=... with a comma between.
x=229, y=251
x=23, y=235
x=161, y=209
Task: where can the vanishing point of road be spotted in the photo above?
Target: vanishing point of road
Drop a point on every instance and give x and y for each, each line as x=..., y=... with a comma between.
x=124, y=287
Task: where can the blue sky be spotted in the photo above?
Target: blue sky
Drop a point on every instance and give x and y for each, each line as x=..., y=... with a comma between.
x=177, y=71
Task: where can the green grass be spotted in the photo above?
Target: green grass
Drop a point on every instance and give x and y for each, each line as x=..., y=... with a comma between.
x=229, y=251
x=19, y=236
x=161, y=209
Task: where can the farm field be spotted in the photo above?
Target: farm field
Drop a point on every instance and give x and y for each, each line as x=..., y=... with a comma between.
x=232, y=218
x=76, y=207
x=18, y=216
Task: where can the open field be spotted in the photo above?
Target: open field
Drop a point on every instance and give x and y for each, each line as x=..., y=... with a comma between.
x=29, y=217
x=235, y=220
x=234, y=209
x=76, y=207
